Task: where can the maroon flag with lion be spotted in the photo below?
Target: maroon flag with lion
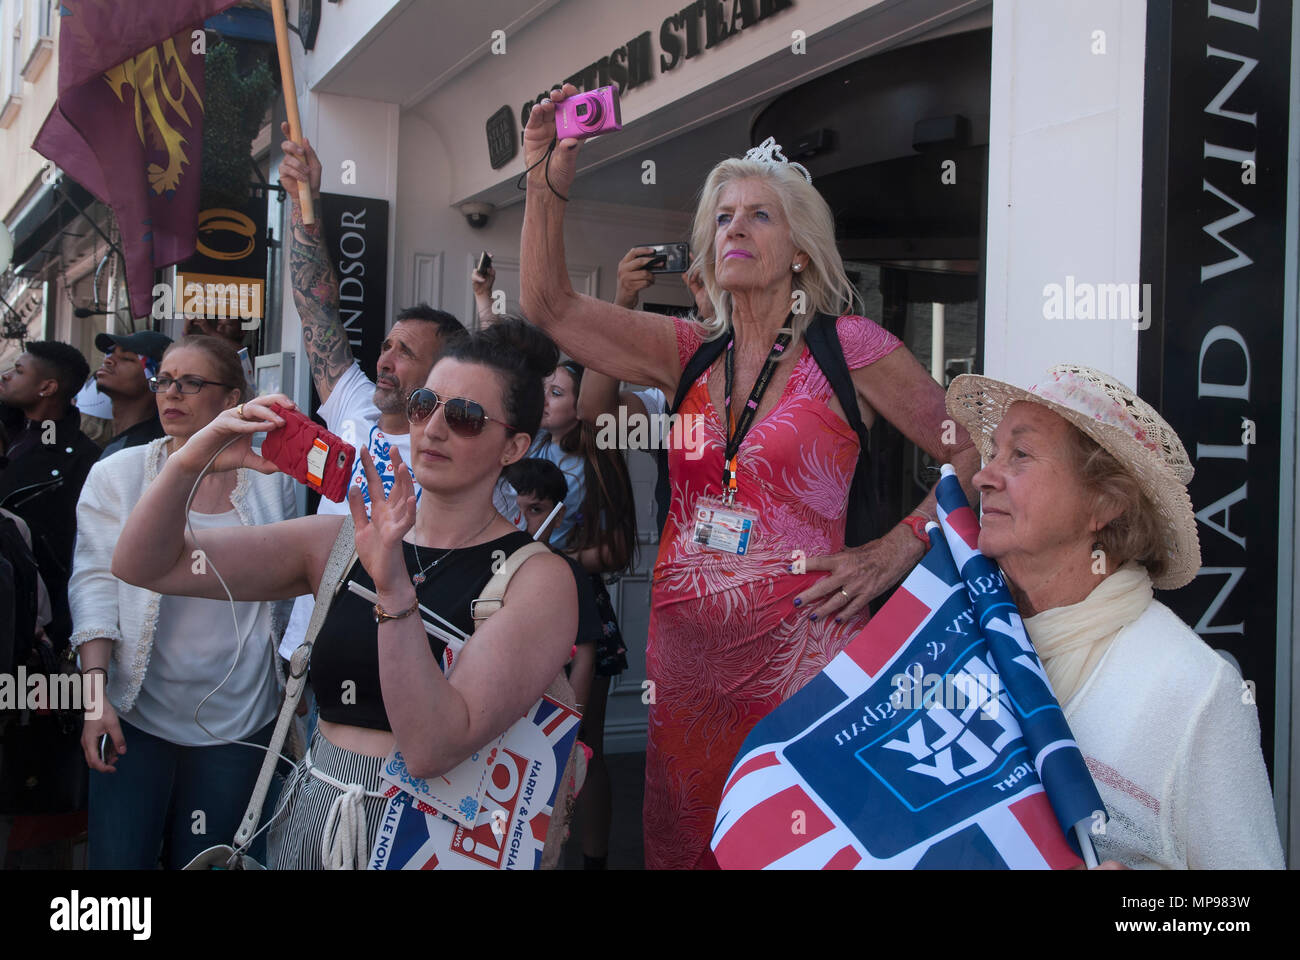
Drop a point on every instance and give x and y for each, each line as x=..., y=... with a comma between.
x=128, y=123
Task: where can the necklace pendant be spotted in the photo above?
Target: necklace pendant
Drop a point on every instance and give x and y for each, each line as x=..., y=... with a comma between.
x=417, y=579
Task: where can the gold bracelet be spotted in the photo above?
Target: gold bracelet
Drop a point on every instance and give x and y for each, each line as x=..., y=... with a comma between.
x=383, y=616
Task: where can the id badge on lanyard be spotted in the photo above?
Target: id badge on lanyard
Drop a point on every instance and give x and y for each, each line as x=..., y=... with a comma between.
x=725, y=527
x=720, y=523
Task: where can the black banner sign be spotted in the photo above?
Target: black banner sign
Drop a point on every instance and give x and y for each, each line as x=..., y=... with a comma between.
x=356, y=230
x=1213, y=244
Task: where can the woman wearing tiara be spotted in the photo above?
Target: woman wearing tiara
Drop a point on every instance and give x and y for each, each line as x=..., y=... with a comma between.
x=740, y=620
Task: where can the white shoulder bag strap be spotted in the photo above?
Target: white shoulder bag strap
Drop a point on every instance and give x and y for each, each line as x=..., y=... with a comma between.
x=493, y=595
x=574, y=769
x=342, y=556
x=492, y=599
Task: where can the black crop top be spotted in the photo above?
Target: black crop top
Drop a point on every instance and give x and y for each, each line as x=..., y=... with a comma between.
x=345, y=658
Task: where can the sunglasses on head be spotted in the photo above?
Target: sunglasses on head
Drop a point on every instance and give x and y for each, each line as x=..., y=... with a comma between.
x=465, y=417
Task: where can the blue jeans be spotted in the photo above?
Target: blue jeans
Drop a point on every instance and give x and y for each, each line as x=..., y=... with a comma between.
x=174, y=799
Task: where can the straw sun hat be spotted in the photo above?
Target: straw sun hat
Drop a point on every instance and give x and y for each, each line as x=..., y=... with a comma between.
x=1120, y=421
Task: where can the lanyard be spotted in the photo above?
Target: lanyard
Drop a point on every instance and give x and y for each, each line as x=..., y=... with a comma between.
x=736, y=431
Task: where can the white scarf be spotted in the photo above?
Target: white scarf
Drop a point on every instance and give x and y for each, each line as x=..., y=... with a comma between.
x=1071, y=640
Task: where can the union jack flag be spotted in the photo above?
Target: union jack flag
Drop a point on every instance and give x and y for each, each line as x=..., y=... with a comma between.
x=933, y=740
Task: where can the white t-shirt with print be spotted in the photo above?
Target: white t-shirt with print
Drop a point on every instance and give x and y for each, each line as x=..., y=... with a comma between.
x=350, y=412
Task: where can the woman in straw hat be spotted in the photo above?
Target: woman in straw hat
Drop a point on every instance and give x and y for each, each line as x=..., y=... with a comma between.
x=1085, y=508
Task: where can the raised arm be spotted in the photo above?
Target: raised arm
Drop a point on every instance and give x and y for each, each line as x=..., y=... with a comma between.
x=271, y=562
x=315, y=287
x=616, y=341
x=599, y=394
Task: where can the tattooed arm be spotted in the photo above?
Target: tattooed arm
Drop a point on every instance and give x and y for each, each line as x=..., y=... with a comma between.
x=315, y=287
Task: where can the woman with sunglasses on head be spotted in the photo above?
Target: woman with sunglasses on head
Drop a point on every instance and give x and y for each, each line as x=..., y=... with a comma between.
x=376, y=673
x=166, y=778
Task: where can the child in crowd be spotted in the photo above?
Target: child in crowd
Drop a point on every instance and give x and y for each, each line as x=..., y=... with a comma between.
x=539, y=485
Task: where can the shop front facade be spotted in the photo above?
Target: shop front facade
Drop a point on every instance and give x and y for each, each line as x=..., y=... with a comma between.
x=1016, y=183
x=994, y=169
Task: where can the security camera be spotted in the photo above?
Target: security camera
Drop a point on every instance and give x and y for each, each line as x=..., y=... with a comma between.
x=476, y=213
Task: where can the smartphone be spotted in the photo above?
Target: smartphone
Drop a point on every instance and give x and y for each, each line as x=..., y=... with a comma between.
x=104, y=745
x=310, y=454
x=588, y=114
x=668, y=257
x=484, y=263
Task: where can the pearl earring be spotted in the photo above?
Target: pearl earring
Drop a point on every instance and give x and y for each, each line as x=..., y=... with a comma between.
x=796, y=267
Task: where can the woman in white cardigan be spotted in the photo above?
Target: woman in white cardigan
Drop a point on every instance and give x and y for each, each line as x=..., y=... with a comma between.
x=164, y=773
x=1085, y=508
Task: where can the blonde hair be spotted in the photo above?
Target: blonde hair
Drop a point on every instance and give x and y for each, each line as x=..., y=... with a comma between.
x=812, y=229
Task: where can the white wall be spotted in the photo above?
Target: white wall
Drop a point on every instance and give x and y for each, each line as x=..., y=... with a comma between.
x=343, y=25
x=20, y=165
x=1065, y=176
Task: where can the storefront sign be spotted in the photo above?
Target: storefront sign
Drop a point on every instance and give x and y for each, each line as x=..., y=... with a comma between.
x=1213, y=243
x=683, y=35
x=357, y=232
x=225, y=279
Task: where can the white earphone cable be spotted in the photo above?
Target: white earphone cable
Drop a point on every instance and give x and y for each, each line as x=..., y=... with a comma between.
x=234, y=617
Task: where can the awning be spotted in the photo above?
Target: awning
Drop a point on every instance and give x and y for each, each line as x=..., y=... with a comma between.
x=38, y=227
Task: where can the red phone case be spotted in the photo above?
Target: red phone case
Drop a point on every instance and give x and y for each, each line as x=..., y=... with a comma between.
x=310, y=454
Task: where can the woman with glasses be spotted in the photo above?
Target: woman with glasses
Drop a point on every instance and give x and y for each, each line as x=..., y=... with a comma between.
x=376, y=673
x=186, y=678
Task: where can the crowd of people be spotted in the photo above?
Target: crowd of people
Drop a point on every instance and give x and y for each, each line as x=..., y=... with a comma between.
x=473, y=445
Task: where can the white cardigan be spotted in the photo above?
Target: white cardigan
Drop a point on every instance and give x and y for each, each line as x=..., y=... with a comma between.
x=102, y=605
x=1173, y=747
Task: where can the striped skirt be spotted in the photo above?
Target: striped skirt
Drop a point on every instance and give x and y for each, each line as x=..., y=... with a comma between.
x=332, y=790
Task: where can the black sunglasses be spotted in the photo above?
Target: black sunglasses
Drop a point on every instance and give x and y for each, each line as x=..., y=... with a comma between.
x=464, y=417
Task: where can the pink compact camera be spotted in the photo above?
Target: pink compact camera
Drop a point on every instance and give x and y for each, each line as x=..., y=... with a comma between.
x=588, y=114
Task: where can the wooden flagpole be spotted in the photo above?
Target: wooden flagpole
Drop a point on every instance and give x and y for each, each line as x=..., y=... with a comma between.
x=291, y=99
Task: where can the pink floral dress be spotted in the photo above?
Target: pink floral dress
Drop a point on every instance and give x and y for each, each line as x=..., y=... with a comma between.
x=726, y=643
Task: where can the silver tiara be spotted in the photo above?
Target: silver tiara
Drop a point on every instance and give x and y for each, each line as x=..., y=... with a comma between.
x=769, y=151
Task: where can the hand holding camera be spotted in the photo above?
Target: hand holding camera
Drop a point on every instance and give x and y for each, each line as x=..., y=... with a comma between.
x=633, y=277
x=559, y=169
x=229, y=437
x=483, y=275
